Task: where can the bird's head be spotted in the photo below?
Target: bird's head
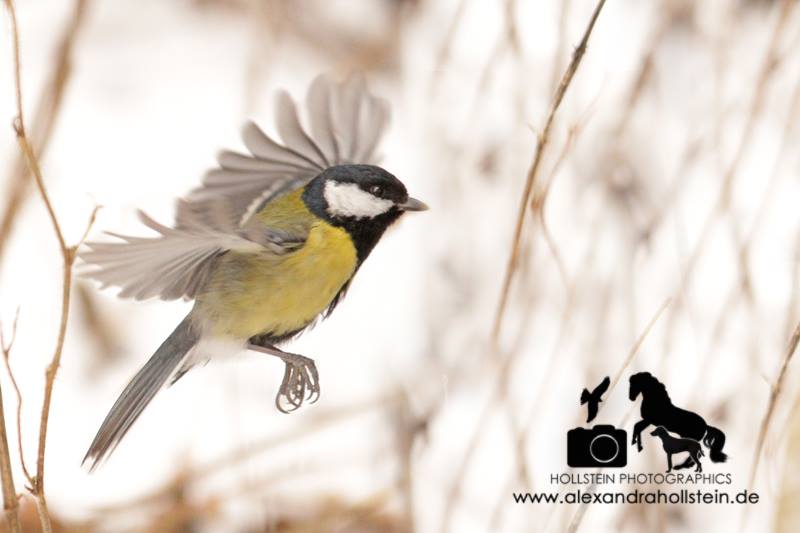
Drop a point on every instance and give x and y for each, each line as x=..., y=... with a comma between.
x=352, y=194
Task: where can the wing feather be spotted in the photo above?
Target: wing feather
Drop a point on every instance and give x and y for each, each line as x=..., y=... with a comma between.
x=293, y=133
x=346, y=124
x=319, y=104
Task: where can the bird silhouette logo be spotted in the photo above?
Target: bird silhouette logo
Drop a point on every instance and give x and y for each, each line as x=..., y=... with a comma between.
x=593, y=399
x=601, y=446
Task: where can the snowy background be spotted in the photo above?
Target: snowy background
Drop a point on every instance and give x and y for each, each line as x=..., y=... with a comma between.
x=424, y=423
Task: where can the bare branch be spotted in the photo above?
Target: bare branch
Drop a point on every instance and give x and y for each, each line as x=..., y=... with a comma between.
x=44, y=119
x=6, y=359
x=777, y=389
x=10, y=502
x=541, y=144
x=68, y=256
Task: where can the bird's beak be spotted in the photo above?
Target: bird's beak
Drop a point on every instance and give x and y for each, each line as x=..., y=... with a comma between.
x=412, y=204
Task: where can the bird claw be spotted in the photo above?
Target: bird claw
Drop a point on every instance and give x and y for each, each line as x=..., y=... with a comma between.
x=300, y=384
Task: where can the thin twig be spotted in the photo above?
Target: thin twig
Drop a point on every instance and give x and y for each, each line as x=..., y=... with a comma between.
x=540, y=195
x=47, y=111
x=541, y=144
x=635, y=348
x=10, y=502
x=68, y=256
x=313, y=424
x=775, y=393
x=6, y=359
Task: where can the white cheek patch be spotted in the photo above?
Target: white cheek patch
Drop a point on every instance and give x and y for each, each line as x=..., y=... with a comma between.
x=349, y=200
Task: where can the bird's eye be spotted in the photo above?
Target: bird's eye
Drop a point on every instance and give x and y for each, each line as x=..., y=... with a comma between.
x=376, y=190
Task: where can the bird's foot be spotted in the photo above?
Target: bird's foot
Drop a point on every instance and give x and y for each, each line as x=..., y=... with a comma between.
x=300, y=379
x=300, y=383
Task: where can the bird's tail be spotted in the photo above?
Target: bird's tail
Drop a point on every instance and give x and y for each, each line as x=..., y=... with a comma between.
x=585, y=395
x=140, y=391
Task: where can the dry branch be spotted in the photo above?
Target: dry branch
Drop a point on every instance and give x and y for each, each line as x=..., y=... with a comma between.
x=775, y=392
x=7, y=361
x=47, y=112
x=541, y=144
x=68, y=256
x=10, y=501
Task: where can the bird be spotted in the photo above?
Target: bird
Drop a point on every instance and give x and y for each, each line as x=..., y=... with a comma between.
x=267, y=245
x=594, y=398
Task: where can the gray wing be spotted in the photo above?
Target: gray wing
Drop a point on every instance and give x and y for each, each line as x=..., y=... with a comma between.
x=346, y=123
x=178, y=261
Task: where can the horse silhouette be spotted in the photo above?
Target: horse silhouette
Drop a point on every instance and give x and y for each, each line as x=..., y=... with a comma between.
x=657, y=409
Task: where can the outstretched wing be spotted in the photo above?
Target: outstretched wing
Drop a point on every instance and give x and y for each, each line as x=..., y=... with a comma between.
x=178, y=261
x=602, y=388
x=345, y=125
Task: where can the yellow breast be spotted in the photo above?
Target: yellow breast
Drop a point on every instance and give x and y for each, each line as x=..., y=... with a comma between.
x=251, y=294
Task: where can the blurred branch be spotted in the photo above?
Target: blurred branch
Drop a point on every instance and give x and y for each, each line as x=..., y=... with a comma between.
x=98, y=325
x=741, y=287
x=234, y=457
x=769, y=65
x=443, y=55
x=10, y=502
x=541, y=144
x=47, y=112
x=561, y=45
x=6, y=359
x=787, y=513
x=674, y=13
x=68, y=256
x=507, y=41
x=502, y=385
x=540, y=195
x=792, y=310
x=775, y=393
x=635, y=348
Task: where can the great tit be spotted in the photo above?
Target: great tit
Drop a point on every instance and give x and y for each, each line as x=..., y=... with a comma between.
x=267, y=244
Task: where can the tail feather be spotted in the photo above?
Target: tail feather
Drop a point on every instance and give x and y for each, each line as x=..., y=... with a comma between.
x=140, y=391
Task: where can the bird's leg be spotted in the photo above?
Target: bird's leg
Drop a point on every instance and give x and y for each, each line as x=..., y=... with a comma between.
x=300, y=378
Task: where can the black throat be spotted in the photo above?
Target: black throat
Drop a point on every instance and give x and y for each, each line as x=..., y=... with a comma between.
x=365, y=232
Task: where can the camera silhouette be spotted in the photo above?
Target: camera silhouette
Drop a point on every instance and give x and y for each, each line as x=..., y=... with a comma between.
x=602, y=446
